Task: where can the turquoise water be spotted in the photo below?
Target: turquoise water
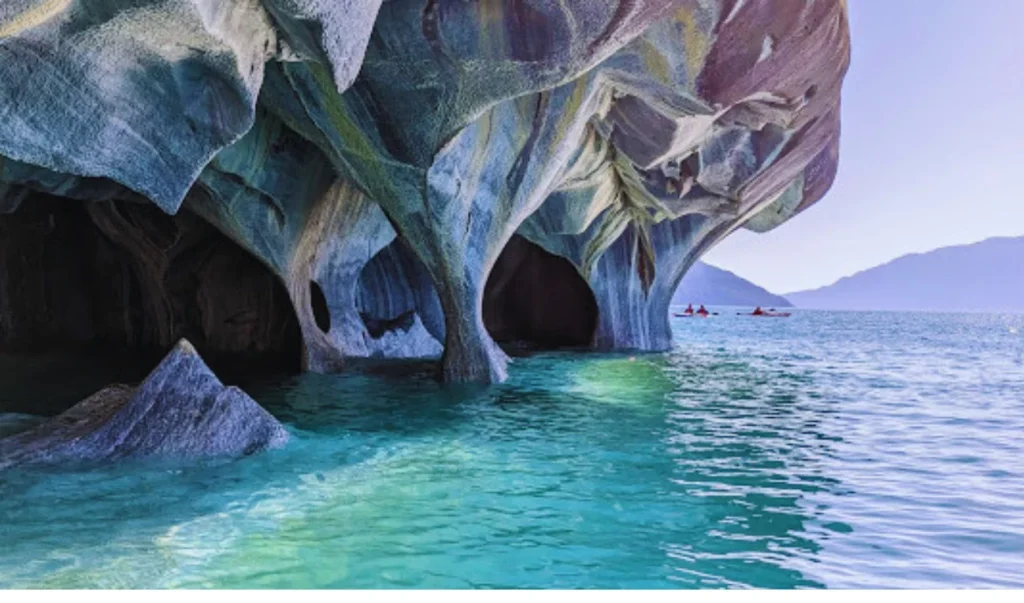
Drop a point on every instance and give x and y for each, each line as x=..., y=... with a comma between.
x=823, y=450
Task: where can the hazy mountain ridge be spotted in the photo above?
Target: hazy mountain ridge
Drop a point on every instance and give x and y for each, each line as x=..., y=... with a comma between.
x=985, y=276
x=706, y=284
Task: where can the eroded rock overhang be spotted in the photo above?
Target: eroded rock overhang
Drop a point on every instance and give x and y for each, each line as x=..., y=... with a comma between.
x=378, y=157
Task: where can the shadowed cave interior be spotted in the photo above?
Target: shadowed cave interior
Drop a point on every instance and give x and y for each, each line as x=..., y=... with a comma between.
x=321, y=313
x=111, y=277
x=118, y=275
x=534, y=298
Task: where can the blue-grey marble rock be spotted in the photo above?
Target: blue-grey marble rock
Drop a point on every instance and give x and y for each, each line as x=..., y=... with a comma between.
x=86, y=74
x=626, y=137
x=181, y=410
x=395, y=289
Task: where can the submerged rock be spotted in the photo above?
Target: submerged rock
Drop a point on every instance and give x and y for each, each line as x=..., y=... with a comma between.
x=180, y=410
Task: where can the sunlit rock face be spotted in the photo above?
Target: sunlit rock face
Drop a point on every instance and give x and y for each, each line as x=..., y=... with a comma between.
x=379, y=157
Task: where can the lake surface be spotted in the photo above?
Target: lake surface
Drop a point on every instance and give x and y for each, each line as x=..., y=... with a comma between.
x=822, y=450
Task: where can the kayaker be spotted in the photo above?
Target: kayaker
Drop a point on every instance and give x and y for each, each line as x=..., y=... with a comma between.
x=689, y=309
x=702, y=310
x=758, y=311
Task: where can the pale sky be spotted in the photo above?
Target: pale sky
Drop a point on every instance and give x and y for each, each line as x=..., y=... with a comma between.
x=932, y=146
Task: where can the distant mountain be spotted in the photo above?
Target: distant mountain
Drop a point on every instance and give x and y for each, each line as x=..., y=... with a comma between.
x=985, y=277
x=705, y=284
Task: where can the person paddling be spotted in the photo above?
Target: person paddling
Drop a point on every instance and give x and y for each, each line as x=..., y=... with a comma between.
x=758, y=311
x=689, y=309
x=702, y=311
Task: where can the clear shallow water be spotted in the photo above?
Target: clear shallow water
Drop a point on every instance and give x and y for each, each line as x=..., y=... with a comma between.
x=828, y=449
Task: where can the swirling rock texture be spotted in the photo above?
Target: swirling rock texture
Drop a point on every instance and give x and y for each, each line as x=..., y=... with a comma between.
x=181, y=410
x=429, y=176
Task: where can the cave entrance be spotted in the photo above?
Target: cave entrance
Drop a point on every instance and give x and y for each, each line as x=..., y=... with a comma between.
x=537, y=299
x=398, y=306
x=321, y=311
x=119, y=276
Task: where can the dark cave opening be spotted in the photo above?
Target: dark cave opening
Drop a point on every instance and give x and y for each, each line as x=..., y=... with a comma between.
x=321, y=312
x=378, y=327
x=117, y=277
x=538, y=299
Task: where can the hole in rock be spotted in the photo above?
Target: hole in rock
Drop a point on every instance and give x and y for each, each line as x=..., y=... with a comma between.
x=378, y=327
x=394, y=289
x=107, y=278
x=537, y=298
x=321, y=313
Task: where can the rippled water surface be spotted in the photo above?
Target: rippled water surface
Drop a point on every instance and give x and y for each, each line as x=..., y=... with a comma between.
x=827, y=449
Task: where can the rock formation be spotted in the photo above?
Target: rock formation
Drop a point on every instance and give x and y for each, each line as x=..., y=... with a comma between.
x=181, y=410
x=422, y=176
